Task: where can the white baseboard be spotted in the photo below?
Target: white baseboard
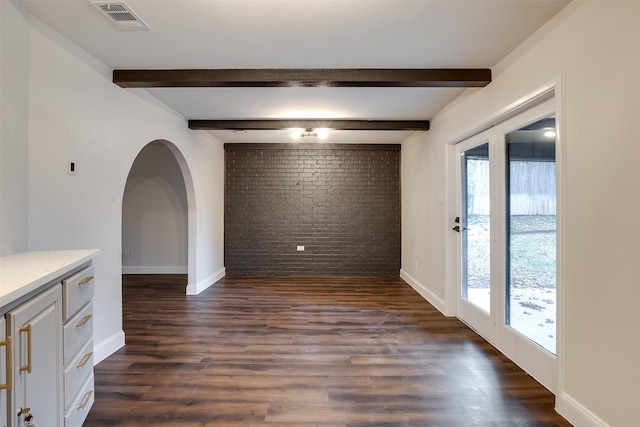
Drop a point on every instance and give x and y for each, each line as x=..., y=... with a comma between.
x=196, y=288
x=154, y=269
x=432, y=298
x=576, y=413
x=107, y=347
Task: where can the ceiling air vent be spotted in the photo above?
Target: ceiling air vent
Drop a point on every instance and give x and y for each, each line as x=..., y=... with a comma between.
x=120, y=14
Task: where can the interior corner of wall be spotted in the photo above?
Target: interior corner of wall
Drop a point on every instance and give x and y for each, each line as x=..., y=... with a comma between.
x=425, y=292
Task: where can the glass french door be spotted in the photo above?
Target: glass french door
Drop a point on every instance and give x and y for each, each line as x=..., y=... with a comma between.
x=474, y=225
x=507, y=238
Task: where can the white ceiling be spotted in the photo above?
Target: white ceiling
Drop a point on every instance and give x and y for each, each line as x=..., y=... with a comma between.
x=303, y=34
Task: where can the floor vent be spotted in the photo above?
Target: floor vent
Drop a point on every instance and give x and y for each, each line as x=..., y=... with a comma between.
x=120, y=14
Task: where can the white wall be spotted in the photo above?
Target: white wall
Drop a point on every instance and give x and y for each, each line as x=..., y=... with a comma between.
x=75, y=112
x=14, y=128
x=594, y=49
x=154, y=214
x=423, y=217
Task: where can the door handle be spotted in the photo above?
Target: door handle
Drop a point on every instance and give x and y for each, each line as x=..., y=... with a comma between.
x=7, y=345
x=27, y=367
x=457, y=229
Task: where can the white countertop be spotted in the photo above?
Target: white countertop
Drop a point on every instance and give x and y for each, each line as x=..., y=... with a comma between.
x=25, y=272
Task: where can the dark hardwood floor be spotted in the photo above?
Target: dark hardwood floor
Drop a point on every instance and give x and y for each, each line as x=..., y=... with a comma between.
x=305, y=352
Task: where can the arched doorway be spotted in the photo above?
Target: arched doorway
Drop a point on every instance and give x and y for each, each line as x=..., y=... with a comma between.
x=157, y=221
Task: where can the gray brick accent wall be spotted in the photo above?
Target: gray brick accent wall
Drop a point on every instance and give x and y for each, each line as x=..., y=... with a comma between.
x=342, y=203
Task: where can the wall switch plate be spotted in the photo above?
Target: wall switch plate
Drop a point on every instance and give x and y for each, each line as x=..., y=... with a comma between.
x=300, y=248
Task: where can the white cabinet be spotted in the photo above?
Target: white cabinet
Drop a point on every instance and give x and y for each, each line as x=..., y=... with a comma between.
x=36, y=331
x=46, y=338
x=5, y=348
x=78, y=346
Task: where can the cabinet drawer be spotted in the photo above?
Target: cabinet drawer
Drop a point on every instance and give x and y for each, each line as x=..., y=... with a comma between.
x=77, y=331
x=77, y=290
x=77, y=372
x=4, y=349
x=79, y=409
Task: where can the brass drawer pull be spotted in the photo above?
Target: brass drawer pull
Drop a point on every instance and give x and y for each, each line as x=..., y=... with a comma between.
x=85, y=360
x=85, y=280
x=7, y=344
x=84, y=320
x=85, y=400
x=27, y=329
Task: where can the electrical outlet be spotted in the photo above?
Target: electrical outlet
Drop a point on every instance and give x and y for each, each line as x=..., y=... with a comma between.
x=300, y=248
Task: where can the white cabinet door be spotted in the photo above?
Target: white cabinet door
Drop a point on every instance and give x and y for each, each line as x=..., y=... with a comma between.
x=3, y=374
x=36, y=328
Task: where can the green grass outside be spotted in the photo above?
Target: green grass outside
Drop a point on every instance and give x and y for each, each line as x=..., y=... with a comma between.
x=532, y=246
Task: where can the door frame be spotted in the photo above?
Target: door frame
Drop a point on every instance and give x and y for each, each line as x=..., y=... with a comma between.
x=553, y=92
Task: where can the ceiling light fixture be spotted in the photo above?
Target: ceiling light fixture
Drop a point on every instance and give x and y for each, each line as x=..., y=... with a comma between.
x=321, y=134
x=550, y=133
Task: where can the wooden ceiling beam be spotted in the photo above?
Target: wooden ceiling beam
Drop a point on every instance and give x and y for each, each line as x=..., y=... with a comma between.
x=277, y=124
x=304, y=77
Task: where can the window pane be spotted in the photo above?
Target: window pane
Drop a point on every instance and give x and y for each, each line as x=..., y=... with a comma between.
x=476, y=233
x=531, y=230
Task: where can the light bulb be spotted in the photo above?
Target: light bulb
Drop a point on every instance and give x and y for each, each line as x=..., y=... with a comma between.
x=322, y=134
x=550, y=134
